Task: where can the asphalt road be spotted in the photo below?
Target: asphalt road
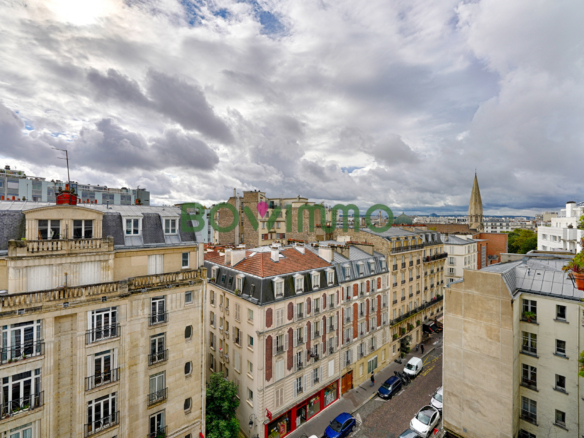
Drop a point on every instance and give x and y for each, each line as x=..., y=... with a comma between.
x=388, y=419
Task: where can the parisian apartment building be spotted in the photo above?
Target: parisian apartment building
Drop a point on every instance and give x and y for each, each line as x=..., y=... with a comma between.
x=101, y=310
x=462, y=254
x=16, y=185
x=267, y=232
x=512, y=338
x=562, y=233
x=297, y=326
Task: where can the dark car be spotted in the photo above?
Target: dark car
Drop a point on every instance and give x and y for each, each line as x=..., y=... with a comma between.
x=409, y=434
x=340, y=427
x=390, y=388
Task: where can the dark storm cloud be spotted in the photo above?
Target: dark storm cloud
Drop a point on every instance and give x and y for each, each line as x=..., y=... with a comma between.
x=186, y=103
x=117, y=86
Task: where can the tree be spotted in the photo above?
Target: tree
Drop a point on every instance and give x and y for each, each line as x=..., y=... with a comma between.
x=522, y=241
x=222, y=402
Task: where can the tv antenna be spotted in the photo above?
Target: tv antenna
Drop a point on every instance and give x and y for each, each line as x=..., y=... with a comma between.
x=66, y=159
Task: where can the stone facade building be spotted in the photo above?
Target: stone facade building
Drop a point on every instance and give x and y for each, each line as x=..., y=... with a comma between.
x=512, y=338
x=102, y=316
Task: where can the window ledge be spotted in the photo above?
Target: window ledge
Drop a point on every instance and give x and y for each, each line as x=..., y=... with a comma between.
x=249, y=403
x=250, y=348
x=249, y=375
x=563, y=356
x=530, y=354
x=533, y=388
x=563, y=391
x=561, y=320
x=561, y=426
x=529, y=322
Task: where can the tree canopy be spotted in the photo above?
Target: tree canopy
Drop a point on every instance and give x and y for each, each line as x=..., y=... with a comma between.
x=222, y=402
x=522, y=241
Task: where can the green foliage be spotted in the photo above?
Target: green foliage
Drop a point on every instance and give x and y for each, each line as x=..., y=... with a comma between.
x=581, y=222
x=577, y=263
x=581, y=361
x=222, y=402
x=522, y=241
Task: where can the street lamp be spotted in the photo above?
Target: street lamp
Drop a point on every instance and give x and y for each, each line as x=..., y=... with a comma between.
x=252, y=418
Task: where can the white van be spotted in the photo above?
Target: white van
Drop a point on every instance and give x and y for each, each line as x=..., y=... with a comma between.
x=414, y=366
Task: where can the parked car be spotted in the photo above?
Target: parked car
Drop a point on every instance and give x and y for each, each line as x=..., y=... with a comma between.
x=414, y=366
x=390, y=388
x=408, y=434
x=425, y=421
x=436, y=400
x=341, y=426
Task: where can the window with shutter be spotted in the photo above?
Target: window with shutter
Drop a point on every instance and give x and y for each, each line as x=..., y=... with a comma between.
x=237, y=311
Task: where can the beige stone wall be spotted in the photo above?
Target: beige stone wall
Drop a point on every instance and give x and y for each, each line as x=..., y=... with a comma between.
x=479, y=357
x=132, y=263
x=3, y=274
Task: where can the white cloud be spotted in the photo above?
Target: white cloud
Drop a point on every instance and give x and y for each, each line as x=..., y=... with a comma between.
x=282, y=95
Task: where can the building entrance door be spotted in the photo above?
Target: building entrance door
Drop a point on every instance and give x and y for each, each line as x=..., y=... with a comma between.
x=347, y=382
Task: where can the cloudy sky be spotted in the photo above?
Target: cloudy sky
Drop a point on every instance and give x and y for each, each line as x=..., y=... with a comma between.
x=373, y=101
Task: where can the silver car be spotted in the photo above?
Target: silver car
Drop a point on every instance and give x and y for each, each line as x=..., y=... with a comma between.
x=437, y=399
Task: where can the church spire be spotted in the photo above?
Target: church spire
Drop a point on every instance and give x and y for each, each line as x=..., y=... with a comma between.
x=475, y=207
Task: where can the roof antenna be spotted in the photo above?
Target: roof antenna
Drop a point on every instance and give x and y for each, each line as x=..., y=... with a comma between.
x=67, y=159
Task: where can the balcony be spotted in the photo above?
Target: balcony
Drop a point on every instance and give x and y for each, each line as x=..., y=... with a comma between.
x=347, y=319
x=331, y=328
x=394, y=284
x=299, y=315
x=411, y=263
x=403, y=282
x=403, y=265
x=395, y=267
x=418, y=262
x=411, y=295
x=102, y=379
x=20, y=248
x=279, y=349
x=406, y=248
x=158, y=318
x=394, y=301
x=348, y=298
x=157, y=396
x=316, y=335
x=159, y=356
x=316, y=310
x=159, y=433
x=299, y=341
x=21, y=352
x=403, y=298
x=102, y=333
x=24, y=404
x=529, y=417
x=298, y=366
x=102, y=424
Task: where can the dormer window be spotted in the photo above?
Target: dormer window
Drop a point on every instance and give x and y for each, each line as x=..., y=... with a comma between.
x=298, y=283
x=239, y=282
x=279, y=287
x=170, y=226
x=49, y=229
x=82, y=229
x=133, y=227
x=315, y=280
x=330, y=277
x=372, y=266
x=360, y=267
x=347, y=269
x=383, y=265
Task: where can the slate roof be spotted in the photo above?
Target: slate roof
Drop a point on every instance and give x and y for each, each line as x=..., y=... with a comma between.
x=538, y=275
x=12, y=223
x=454, y=240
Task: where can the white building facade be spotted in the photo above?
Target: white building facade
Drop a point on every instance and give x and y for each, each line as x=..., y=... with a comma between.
x=563, y=234
x=462, y=254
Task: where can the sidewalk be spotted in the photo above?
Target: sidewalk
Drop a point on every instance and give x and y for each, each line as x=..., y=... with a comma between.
x=352, y=400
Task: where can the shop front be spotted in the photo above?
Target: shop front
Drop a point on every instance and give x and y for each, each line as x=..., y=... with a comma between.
x=303, y=412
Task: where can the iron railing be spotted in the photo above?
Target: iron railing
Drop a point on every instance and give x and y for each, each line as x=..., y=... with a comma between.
x=28, y=403
x=158, y=318
x=102, y=424
x=21, y=351
x=102, y=333
x=100, y=379
x=155, y=397
x=157, y=357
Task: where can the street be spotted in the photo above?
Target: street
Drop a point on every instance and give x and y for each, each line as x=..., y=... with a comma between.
x=388, y=419
x=380, y=418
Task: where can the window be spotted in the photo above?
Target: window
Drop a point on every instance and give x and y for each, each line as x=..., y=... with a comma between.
x=132, y=226
x=299, y=282
x=188, y=297
x=330, y=277
x=529, y=343
x=158, y=351
x=560, y=383
x=185, y=259
x=279, y=397
x=82, y=229
x=279, y=288
x=188, y=331
x=529, y=307
x=315, y=280
x=169, y=226
x=158, y=313
x=188, y=368
x=239, y=283
x=528, y=409
x=21, y=431
x=187, y=404
x=102, y=324
x=157, y=388
x=299, y=385
x=101, y=414
x=371, y=365
x=561, y=312
x=156, y=426
x=21, y=391
x=250, y=367
x=49, y=229
x=250, y=341
x=249, y=395
x=300, y=310
x=21, y=340
x=250, y=315
x=212, y=298
x=212, y=319
x=237, y=312
x=155, y=264
x=529, y=376
x=560, y=418
x=560, y=347
x=279, y=370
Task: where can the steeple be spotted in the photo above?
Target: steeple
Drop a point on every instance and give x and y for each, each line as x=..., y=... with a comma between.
x=475, y=207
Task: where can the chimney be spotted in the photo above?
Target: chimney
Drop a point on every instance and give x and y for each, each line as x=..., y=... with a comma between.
x=326, y=252
x=228, y=256
x=275, y=254
x=237, y=256
x=299, y=248
x=570, y=208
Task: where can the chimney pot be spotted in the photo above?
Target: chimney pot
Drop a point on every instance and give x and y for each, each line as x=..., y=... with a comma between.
x=275, y=254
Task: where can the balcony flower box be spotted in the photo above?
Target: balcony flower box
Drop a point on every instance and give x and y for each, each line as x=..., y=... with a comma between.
x=575, y=269
x=529, y=316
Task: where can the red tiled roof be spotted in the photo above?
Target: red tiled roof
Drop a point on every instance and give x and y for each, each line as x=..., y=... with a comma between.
x=262, y=265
